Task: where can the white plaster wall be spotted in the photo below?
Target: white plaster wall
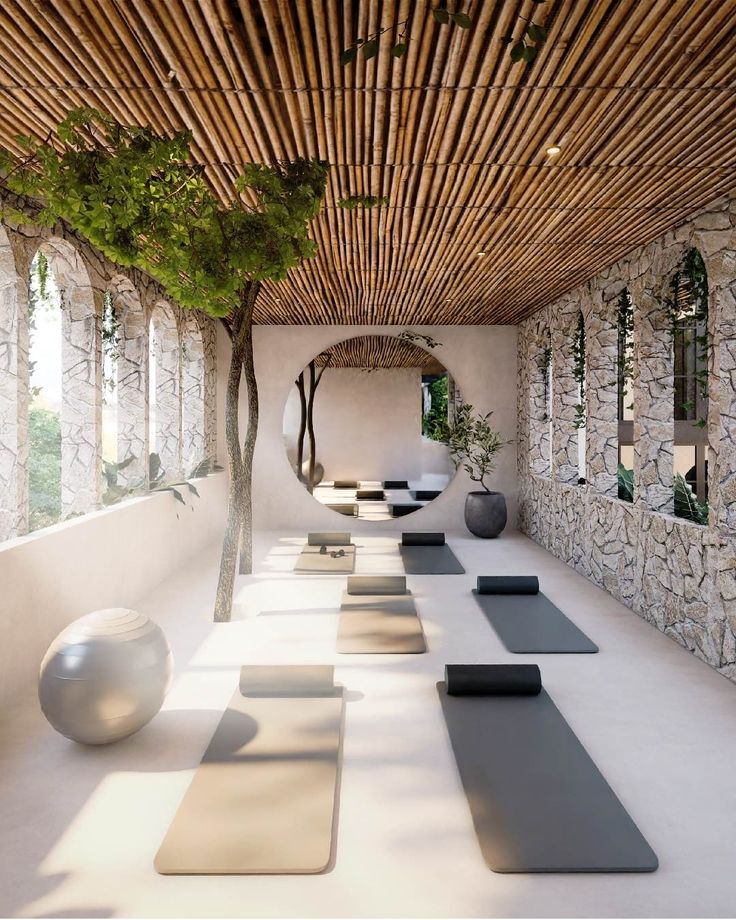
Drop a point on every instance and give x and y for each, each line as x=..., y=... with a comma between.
x=109, y=558
x=481, y=358
x=367, y=425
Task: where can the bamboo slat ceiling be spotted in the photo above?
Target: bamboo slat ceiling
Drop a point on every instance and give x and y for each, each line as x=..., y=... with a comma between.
x=372, y=351
x=639, y=93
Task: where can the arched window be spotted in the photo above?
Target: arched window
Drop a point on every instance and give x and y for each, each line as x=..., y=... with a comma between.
x=192, y=395
x=164, y=391
x=625, y=393
x=45, y=395
x=688, y=312
x=579, y=373
x=13, y=394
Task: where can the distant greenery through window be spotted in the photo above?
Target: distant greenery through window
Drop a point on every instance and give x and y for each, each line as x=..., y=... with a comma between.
x=435, y=393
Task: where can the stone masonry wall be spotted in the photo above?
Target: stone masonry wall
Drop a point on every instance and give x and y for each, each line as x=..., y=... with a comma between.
x=679, y=576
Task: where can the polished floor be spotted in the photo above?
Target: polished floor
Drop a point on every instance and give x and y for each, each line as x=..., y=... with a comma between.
x=80, y=826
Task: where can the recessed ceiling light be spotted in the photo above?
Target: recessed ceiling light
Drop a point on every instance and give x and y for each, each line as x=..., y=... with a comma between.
x=480, y=253
x=553, y=150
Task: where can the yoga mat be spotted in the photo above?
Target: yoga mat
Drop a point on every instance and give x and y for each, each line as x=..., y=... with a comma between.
x=374, y=495
x=379, y=624
x=508, y=584
x=263, y=799
x=395, y=484
x=400, y=510
x=425, y=495
x=376, y=584
x=427, y=554
x=530, y=624
x=348, y=510
x=345, y=484
x=328, y=538
x=538, y=802
x=312, y=560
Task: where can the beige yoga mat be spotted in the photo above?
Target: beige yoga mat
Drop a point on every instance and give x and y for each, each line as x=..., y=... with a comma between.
x=312, y=560
x=262, y=800
x=379, y=624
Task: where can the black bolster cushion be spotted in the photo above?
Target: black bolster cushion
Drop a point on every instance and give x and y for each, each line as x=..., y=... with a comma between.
x=395, y=484
x=508, y=584
x=345, y=484
x=422, y=538
x=493, y=679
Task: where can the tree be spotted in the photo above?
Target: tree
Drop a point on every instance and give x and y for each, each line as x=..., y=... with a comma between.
x=474, y=444
x=136, y=196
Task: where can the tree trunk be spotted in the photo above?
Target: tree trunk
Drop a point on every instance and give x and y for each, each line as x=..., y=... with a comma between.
x=251, y=433
x=302, y=424
x=310, y=427
x=226, y=581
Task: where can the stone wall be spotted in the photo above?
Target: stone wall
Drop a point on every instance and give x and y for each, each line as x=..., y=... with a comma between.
x=83, y=277
x=679, y=576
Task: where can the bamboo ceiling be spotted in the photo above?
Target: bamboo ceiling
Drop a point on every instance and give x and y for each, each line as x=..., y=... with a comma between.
x=638, y=93
x=372, y=351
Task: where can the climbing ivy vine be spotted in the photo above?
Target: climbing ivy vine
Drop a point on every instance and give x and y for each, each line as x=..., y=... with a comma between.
x=545, y=364
x=625, y=327
x=578, y=370
x=691, y=279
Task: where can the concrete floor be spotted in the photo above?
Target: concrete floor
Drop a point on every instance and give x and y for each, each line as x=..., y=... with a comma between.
x=80, y=826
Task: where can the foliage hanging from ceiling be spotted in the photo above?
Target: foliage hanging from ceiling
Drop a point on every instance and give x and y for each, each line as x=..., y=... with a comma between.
x=140, y=200
x=522, y=47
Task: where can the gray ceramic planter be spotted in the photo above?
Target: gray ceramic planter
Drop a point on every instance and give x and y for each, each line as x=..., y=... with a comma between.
x=485, y=513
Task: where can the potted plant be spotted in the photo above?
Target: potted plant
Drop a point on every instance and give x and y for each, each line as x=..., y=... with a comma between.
x=474, y=444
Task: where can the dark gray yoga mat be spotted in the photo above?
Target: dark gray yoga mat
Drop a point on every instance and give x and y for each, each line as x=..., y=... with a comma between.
x=530, y=624
x=538, y=802
x=263, y=798
x=379, y=624
x=425, y=553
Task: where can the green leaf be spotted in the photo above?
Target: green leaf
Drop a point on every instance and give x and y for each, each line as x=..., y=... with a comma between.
x=442, y=16
x=348, y=55
x=462, y=20
x=398, y=50
x=530, y=52
x=370, y=49
x=686, y=504
x=536, y=32
x=517, y=52
x=625, y=483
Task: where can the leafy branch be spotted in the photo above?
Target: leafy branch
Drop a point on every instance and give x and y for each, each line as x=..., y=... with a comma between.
x=368, y=46
x=578, y=370
x=527, y=45
x=415, y=337
x=362, y=201
x=545, y=364
x=474, y=444
x=625, y=329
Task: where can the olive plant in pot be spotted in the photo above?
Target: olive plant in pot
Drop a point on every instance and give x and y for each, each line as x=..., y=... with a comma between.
x=474, y=445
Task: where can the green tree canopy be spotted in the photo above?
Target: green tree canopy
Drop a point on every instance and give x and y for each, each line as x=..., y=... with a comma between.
x=139, y=199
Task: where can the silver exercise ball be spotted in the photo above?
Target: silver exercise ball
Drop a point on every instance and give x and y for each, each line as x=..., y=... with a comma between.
x=319, y=472
x=105, y=676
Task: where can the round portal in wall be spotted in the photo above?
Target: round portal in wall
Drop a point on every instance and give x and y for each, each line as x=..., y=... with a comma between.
x=365, y=426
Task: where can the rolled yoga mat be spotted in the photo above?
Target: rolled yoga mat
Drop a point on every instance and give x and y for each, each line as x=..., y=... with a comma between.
x=379, y=624
x=425, y=495
x=376, y=584
x=329, y=538
x=527, y=622
x=373, y=495
x=395, y=484
x=262, y=800
x=538, y=802
x=400, y=510
x=345, y=484
x=427, y=554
